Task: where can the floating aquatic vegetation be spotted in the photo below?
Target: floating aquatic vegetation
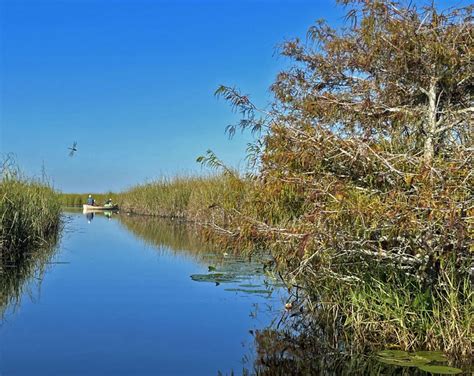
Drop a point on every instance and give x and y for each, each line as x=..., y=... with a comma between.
x=214, y=278
x=250, y=291
x=440, y=370
x=421, y=359
x=248, y=273
x=435, y=356
x=249, y=285
x=401, y=358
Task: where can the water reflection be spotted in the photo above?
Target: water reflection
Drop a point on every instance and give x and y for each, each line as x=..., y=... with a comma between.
x=141, y=294
x=130, y=302
x=242, y=275
x=310, y=352
x=283, y=353
x=22, y=272
x=166, y=234
x=89, y=216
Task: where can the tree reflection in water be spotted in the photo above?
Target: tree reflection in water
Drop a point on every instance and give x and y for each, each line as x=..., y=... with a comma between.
x=303, y=349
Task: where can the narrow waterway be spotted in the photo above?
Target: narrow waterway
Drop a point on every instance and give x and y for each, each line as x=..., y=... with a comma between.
x=125, y=295
x=135, y=296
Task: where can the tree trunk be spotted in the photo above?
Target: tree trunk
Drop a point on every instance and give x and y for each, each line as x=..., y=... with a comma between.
x=428, y=151
x=430, y=126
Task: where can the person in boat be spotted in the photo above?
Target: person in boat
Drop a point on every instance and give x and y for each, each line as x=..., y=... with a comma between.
x=90, y=200
x=108, y=203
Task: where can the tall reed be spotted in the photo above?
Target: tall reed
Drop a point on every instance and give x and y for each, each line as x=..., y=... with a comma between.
x=29, y=213
x=185, y=197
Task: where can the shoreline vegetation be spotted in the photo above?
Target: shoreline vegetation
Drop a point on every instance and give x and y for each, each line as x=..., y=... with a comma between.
x=30, y=213
x=365, y=301
x=30, y=224
x=360, y=179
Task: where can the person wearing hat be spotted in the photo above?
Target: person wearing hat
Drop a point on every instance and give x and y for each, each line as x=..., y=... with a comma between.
x=90, y=200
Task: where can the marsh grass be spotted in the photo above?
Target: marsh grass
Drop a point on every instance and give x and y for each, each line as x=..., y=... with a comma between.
x=29, y=213
x=185, y=197
x=30, y=221
x=401, y=314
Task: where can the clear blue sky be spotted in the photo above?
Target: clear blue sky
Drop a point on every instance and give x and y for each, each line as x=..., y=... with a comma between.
x=133, y=81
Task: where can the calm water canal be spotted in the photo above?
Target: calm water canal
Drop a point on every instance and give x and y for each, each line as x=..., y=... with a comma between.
x=141, y=296
x=135, y=296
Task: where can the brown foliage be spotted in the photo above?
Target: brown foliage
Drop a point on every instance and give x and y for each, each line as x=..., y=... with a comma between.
x=365, y=163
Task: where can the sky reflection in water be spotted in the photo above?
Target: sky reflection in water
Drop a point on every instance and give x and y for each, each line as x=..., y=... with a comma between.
x=123, y=303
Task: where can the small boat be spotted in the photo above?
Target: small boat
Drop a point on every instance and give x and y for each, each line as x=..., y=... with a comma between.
x=89, y=208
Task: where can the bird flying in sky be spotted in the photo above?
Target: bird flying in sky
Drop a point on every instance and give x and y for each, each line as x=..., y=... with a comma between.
x=73, y=149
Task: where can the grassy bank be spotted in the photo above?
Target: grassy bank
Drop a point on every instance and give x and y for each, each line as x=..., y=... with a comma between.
x=29, y=213
x=191, y=197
